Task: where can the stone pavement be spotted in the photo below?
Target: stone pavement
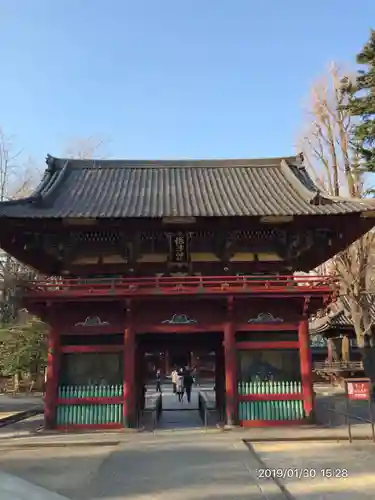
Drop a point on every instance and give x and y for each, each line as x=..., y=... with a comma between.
x=15, y=488
x=22, y=428
x=190, y=464
x=334, y=470
x=178, y=415
x=182, y=465
x=182, y=461
x=170, y=400
x=10, y=404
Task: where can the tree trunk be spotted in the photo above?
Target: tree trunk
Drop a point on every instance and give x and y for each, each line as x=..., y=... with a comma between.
x=368, y=358
x=345, y=356
x=16, y=382
x=332, y=351
x=362, y=327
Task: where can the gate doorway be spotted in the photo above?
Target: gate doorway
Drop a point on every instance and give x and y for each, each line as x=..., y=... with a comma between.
x=198, y=354
x=178, y=359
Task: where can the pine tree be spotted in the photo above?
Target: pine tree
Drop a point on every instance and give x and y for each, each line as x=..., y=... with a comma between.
x=362, y=106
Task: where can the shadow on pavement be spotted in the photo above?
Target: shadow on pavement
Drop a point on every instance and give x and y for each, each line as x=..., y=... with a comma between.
x=158, y=469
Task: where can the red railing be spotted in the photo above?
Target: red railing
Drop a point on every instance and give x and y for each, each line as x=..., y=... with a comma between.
x=182, y=285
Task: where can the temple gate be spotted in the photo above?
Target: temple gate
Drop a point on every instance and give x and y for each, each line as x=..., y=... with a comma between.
x=142, y=255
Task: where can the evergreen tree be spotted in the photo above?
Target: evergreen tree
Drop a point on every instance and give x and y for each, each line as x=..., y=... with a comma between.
x=23, y=348
x=362, y=105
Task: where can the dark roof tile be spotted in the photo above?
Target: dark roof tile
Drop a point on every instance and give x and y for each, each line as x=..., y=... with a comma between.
x=200, y=188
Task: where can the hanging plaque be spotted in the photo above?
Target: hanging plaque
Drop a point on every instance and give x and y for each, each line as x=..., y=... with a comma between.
x=179, y=248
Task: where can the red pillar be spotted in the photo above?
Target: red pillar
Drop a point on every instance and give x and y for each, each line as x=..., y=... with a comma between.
x=306, y=365
x=52, y=382
x=129, y=378
x=230, y=373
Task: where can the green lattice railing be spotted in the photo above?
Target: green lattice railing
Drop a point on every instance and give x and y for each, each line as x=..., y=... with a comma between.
x=269, y=387
x=89, y=412
x=90, y=391
x=271, y=410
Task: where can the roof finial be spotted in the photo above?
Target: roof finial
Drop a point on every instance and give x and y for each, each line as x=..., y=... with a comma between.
x=50, y=161
x=300, y=158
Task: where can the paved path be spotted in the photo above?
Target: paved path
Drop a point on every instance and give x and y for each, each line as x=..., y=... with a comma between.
x=334, y=471
x=180, y=465
x=179, y=415
x=15, y=488
x=190, y=464
x=19, y=403
x=25, y=427
x=170, y=401
x=11, y=405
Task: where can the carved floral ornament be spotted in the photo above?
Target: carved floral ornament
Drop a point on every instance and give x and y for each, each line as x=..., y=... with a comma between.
x=180, y=319
x=265, y=317
x=92, y=321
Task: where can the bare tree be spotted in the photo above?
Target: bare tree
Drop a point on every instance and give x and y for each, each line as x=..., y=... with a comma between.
x=326, y=139
x=16, y=180
x=86, y=148
x=335, y=166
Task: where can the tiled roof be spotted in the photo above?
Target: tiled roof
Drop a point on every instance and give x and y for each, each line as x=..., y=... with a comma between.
x=338, y=316
x=206, y=188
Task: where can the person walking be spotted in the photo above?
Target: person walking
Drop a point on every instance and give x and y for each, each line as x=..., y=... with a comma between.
x=174, y=380
x=180, y=386
x=188, y=384
x=143, y=398
x=158, y=381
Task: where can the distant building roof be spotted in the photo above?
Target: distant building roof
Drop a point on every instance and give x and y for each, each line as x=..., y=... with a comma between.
x=338, y=316
x=184, y=188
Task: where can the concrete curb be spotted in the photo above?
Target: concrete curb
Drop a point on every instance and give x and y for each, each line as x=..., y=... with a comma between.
x=306, y=438
x=15, y=434
x=55, y=444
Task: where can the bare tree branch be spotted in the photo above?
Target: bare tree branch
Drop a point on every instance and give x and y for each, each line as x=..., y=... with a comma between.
x=329, y=156
x=86, y=148
x=16, y=180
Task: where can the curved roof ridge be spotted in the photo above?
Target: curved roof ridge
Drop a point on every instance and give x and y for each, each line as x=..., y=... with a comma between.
x=306, y=193
x=99, y=163
x=183, y=188
x=57, y=179
x=338, y=199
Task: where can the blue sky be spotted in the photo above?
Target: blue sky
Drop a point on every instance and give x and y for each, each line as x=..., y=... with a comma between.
x=168, y=78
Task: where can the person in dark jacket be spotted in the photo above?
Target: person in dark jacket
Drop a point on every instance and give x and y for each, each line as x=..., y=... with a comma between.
x=188, y=384
x=158, y=381
x=143, y=397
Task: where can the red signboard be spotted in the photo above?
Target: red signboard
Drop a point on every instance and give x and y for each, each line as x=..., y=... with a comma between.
x=358, y=388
